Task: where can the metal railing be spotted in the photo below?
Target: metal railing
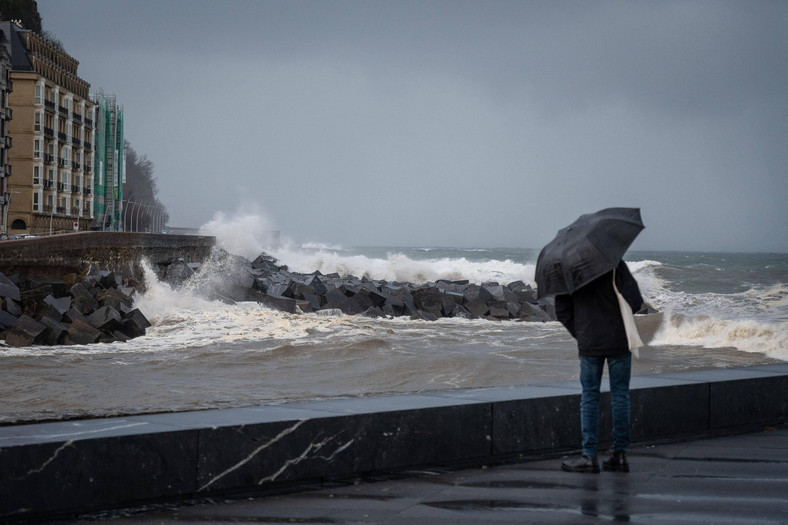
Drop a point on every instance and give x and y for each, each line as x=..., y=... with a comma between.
x=131, y=211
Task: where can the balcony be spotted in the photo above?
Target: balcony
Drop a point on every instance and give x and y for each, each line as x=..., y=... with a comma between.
x=63, y=111
x=89, y=122
x=88, y=168
x=75, y=211
x=49, y=105
x=88, y=145
x=49, y=184
x=61, y=163
x=86, y=212
x=74, y=188
x=76, y=142
x=47, y=208
x=61, y=210
x=49, y=159
x=76, y=166
x=87, y=190
x=62, y=137
x=61, y=186
x=76, y=117
x=49, y=132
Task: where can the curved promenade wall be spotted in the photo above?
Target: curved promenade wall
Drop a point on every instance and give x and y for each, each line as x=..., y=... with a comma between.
x=65, y=468
x=121, y=252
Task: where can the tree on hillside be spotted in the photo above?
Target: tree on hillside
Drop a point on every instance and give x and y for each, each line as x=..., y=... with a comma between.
x=144, y=211
x=26, y=11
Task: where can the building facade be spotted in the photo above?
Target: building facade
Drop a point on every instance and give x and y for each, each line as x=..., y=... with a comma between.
x=52, y=132
x=109, y=164
x=5, y=141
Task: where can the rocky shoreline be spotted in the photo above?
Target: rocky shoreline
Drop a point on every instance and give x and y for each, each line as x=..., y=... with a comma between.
x=275, y=286
x=97, y=306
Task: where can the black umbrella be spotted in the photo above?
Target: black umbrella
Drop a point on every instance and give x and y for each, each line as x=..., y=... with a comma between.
x=589, y=247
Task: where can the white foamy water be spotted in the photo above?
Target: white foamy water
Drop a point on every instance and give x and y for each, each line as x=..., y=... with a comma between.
x=397, y=266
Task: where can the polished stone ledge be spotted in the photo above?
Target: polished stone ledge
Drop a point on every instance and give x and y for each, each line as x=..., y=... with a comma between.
x=70, y=467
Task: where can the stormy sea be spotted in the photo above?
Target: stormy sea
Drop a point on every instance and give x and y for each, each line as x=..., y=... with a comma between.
x=716, y=310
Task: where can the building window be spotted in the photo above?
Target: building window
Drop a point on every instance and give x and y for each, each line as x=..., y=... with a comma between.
x=36, y=175
x=39, y=91
x=37, y=149
x=35, y=202
x=38, y=121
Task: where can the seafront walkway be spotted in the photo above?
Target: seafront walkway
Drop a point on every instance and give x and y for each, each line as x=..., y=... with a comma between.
x=734, y=479
x=709, y=441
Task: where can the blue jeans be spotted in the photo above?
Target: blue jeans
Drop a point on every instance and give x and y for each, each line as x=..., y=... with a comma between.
x=619, y=369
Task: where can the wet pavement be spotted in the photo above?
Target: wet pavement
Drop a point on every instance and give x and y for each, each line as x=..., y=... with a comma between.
x=735, y=479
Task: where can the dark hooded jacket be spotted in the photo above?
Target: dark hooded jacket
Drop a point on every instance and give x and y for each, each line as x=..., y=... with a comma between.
x=593, y=317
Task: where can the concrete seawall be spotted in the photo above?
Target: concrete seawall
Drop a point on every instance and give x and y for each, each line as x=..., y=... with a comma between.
x=121, y=252
x=65, y=468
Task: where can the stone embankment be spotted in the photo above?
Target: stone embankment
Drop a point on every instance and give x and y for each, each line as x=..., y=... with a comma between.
x=75, y=309
x=274, y=285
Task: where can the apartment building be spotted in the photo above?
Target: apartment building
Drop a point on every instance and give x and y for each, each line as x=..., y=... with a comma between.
x=109, y=164
x=5, y=141
x=52, y=132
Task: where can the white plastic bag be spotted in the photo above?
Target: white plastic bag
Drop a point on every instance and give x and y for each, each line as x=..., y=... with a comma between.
x=633, y=336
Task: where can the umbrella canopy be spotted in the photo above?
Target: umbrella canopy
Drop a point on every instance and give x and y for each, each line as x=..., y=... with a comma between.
x=589, y=247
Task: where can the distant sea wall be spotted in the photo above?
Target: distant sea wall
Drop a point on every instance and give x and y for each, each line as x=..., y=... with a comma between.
x=120, y=252
x=62, y=469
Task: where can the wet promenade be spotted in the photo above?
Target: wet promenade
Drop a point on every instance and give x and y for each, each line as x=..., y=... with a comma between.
x=735, y=479
x=465, y=456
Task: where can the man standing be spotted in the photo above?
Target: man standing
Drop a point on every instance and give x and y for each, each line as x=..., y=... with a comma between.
x=593, y=316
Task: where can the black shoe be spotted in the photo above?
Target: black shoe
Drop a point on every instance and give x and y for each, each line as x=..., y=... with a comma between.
x=581, y=464
x=616, y=462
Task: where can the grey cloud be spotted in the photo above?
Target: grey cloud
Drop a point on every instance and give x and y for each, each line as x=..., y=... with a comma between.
x=475, y=123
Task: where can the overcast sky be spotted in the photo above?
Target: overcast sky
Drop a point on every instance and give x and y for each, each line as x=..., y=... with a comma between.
x=452, y=123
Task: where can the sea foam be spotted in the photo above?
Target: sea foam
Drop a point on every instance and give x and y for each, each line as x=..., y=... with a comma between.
x=770, y=339
x=400, y=267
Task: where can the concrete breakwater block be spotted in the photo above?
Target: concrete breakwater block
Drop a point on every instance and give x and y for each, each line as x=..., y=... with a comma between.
x=72, y=310
x=275, y=286
x=61, y=469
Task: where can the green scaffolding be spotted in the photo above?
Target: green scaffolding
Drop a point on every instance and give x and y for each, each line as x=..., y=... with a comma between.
x=108, y=168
